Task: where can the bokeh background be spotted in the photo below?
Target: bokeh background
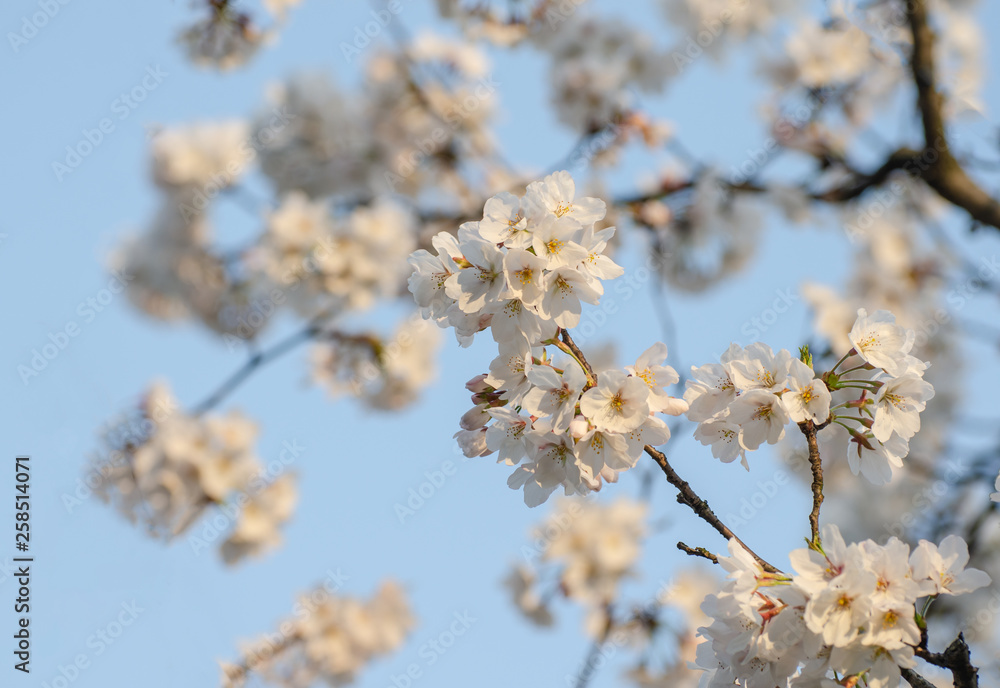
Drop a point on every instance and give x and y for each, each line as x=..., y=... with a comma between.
x=55, y=237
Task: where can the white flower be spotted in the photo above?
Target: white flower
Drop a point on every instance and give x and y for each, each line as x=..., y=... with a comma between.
x=525, y=276
x=839, y=610
x=514, y=321
x=480, y=283
x=604, y=449
x=565, y=288
x=555, y=395
x=898, y=405
x=552, y=463
x=596, y=263
x=761, y=368
x=761, y=416
x=504, y=223
x=874, y=460
x=508, y=372
x=650, y=369
x=892, y=628
x=618, y=403
x=881, y=342
x=710, y=390
x=813, y=570
x=807, y=397
x=473, y=442
x=430, y=273
x=894, y=585
x=507, y=435
x=555, y=240
x=653, y=432
x=941, y=570
x=724, y=438
x=554, y=196
x=996, y=495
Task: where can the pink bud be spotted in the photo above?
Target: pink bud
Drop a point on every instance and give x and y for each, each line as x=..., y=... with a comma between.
x=477, y=385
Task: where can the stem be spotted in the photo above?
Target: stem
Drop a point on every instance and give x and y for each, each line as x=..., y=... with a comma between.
x=808, y=428
x=861, y=385
x=698, y=552
x=863, y=366
x=255, y=362
x=569, y=346
x=845, y=357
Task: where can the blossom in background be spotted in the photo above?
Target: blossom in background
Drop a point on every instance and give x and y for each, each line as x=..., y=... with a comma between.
x=330, y=639
x=186, y=466
x=591, y=548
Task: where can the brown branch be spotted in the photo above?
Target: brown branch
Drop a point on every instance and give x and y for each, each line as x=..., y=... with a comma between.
x=699, y=506
x=698, y=552
x=914, y=679
x=578, y=355
x=904, y=158
x=956, y=659
x=808, y=429
x=944, y=174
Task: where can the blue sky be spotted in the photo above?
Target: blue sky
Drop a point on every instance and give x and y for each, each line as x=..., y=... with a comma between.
x=356, y=465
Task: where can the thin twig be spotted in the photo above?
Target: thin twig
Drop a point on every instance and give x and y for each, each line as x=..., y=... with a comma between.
x=255, y=362
x=698, y=552
x=699, y=506
x=578, y=355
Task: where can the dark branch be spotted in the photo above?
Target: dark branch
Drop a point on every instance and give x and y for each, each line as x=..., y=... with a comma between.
x=698, y=552
x=808, y=428
x=915, y=680
x=699, y=506
x=957, y=659
x=944, y=174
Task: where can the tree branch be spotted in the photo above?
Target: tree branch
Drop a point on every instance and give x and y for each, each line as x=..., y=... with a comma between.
x=698, y=552
x=256, y=361
x=914, y=679
x=699, y=506
x=944, y=174
x=957, y=659
x=808, y=428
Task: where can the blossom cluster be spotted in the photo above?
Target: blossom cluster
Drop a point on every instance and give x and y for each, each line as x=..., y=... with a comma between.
x=748, y=397
x=229, y=37
x=329, y=640
x=849, y=609
x=324, y=261
x=594, y=547
x=177, y=467
x=383, y=373
x=523, y=272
